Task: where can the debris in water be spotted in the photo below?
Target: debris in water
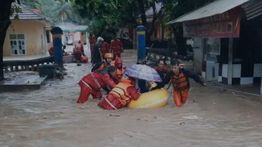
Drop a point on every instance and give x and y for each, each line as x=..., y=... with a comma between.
x=182, y=123
x=114, y=115
x=191, y=117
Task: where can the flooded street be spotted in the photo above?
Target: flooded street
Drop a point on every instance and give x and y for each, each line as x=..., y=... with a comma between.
x=50, y=117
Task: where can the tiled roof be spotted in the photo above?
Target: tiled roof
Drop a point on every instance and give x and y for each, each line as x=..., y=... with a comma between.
x=29, y=14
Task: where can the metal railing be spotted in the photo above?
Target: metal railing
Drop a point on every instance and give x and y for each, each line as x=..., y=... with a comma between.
x=26, y=65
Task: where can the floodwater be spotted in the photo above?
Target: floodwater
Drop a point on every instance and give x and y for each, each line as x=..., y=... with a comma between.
x=49, y=117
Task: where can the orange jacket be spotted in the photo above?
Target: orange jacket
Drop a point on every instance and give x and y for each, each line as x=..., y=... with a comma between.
x=120, y=95
x=180, y=81
x=96, y=81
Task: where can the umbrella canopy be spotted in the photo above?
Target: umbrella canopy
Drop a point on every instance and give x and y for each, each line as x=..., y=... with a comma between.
x=144, y=72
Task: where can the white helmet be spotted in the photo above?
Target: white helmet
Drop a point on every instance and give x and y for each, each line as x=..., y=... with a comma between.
x=100, y=39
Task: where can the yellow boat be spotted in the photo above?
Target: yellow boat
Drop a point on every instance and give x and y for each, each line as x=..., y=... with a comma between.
x=152, y=99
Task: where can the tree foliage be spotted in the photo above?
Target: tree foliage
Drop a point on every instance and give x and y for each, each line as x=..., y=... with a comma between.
x=176, y=8
x=107, y=16
x=56, y=10
x=6, y=9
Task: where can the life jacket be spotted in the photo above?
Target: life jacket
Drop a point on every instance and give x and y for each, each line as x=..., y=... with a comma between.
x=180, y=82
x=120, y=92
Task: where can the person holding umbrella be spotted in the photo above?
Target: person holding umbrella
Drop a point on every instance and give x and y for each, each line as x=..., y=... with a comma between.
x=142, y=84
x=125, y=91
x=144, y=74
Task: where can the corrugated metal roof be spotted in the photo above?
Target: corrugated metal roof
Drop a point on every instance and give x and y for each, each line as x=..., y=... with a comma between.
x=28, y=14
x=253, y=9
x=211, y=9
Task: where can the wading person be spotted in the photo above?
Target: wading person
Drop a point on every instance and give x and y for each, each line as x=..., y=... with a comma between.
x=92, y=83
x=180, y=82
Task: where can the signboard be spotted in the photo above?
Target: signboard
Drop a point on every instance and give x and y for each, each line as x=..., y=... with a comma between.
x=226, y=25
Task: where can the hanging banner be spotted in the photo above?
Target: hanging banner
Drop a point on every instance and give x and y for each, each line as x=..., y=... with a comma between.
x=226, y=25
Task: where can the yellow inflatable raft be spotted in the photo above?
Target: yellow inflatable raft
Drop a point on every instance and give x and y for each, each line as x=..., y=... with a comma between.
x=153, y=99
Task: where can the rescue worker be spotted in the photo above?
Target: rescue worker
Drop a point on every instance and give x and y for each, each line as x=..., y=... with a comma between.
x=109, y=58
x=180, y=82
x=120, y=45
x=112, y=75
x=120, y=95
x=119, y=68
x=102, y=67
x=92, y=42
x=108, y=61
x=105, y=48
x=78, y=53
x=116, y=47
x=93, y=82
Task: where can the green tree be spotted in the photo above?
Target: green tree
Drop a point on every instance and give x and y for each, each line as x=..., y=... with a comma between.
x=6, y=9
x=107, y=16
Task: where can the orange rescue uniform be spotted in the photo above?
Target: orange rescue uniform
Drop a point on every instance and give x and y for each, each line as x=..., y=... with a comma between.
x=120, y=95
x=180, y=88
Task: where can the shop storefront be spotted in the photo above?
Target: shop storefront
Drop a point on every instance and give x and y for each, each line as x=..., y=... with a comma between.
x=227, y=38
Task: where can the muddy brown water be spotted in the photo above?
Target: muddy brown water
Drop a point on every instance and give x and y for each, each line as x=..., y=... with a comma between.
x=50, y=117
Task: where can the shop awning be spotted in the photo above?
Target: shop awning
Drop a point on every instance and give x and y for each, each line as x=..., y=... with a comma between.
x=253, y=9
x=211, y=9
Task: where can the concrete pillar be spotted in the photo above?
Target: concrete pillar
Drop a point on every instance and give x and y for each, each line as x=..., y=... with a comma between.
x=141, y=42
x=230, y=62
x=261, y=86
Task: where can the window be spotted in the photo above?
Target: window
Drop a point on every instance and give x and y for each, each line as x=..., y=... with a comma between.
x=47, y=36
x=213, y=46
x=17, y=42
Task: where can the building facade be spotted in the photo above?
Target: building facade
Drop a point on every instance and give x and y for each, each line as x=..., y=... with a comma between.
x=227, y=38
